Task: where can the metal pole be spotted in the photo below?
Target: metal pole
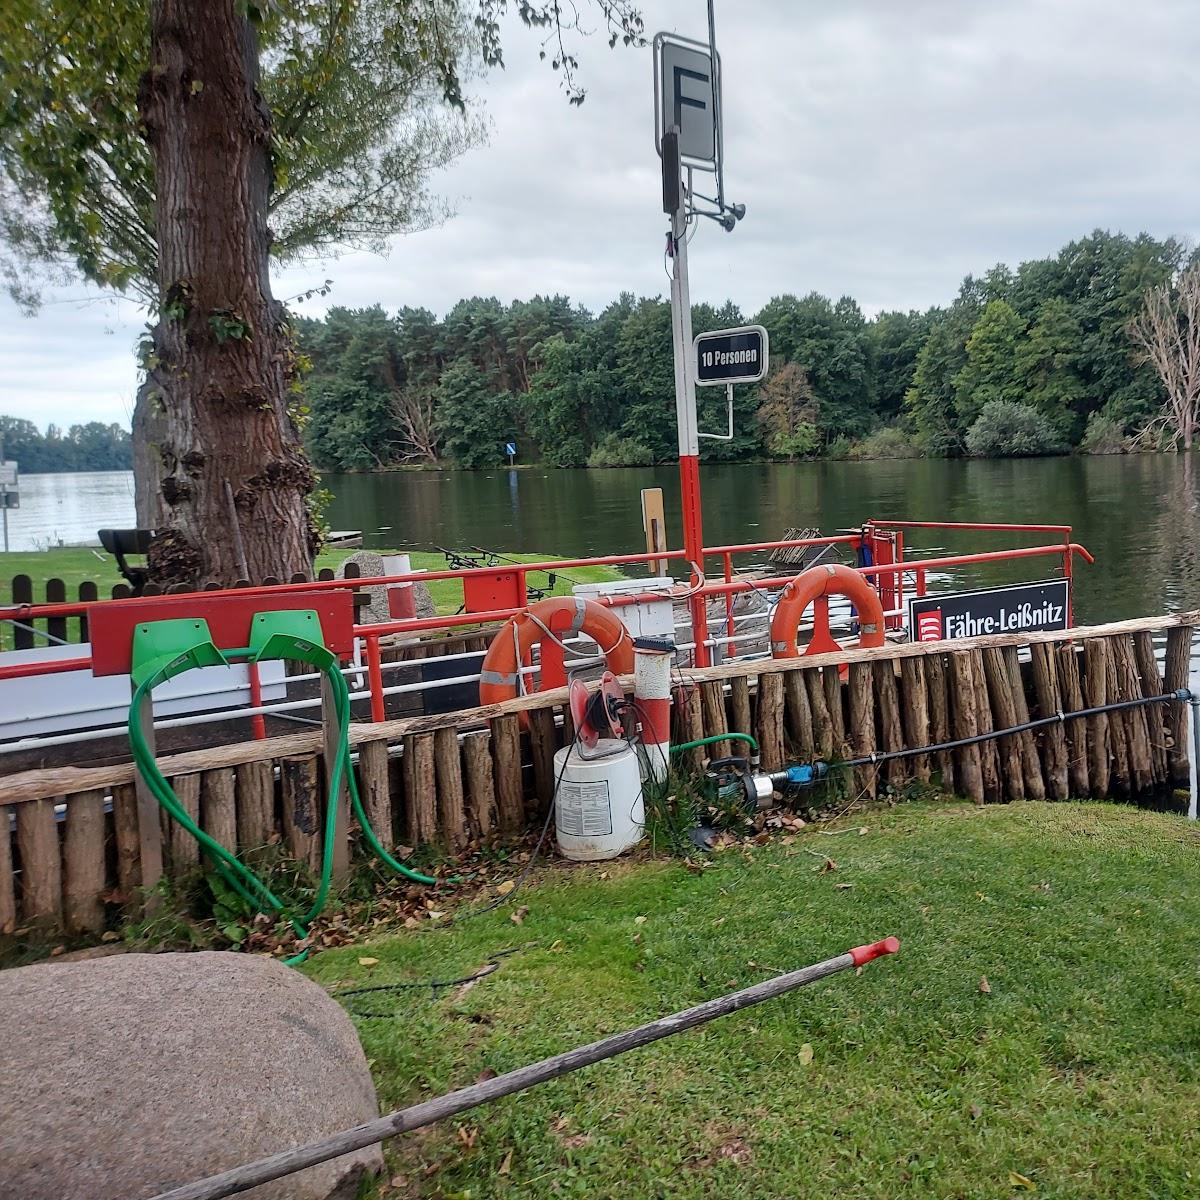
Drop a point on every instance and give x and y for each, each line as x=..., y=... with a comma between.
x=241, y=1179
x=685, y=416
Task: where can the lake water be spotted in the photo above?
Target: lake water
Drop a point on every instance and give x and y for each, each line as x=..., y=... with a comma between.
x=1139, y=514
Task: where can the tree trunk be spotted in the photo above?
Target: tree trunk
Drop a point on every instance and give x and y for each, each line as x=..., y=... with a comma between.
x=221, y=368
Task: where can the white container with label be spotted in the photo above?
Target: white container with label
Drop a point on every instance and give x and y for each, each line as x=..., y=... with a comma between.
x=598, y=810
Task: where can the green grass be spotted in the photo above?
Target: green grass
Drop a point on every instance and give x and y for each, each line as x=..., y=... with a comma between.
x=74, y=564
x=1076, y=1075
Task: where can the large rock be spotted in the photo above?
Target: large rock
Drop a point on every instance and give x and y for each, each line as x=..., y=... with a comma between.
x=125, y=1076
x=370, y=565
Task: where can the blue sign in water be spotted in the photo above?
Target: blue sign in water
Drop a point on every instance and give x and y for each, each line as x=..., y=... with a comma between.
x=510, y=448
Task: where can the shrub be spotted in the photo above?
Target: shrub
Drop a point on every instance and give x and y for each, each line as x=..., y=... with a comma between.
x=840, y=447
x=1104, y=435
x=1005, y=429
x=802, y=442
x=614, y=451
x=889, y=442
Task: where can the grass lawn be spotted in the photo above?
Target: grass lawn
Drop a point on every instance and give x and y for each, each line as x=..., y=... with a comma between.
x=74, y=564
x=1073, y=1072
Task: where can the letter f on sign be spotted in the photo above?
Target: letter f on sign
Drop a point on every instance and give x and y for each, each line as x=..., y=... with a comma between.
x=682, y=73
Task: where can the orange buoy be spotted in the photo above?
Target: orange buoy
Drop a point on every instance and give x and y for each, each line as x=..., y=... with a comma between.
x=513, y=646
x=817, y=584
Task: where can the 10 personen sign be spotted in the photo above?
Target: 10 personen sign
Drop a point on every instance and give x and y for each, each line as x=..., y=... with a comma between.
x=1020, y=608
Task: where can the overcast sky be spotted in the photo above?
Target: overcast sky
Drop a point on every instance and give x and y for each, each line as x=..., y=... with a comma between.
x=883, y=148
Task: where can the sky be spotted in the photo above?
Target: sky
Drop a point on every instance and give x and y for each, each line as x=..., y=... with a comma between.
x=883, y=149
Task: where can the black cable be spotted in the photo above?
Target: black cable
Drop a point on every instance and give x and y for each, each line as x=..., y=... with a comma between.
x=1181, y=696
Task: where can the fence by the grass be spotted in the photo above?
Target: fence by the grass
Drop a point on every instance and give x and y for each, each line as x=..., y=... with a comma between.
x=73, y=840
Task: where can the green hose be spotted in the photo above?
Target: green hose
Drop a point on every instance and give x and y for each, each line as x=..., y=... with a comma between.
x=239, y=877
x=717, y=737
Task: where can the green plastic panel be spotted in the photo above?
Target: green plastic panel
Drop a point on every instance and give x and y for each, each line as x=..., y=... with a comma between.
x=294, y=634
x=163, y=649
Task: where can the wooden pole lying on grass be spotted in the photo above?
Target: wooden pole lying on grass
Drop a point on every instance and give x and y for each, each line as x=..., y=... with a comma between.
x=404, y=1120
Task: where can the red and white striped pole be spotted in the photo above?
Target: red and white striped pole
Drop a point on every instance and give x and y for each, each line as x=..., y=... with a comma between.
x=652, y=692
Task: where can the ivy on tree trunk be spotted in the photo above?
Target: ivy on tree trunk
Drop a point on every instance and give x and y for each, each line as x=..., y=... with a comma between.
x=231, y=471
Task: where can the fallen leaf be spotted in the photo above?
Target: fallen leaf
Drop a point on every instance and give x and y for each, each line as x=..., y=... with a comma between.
x=399, y=1181
x=976, y=1112
x=828, y=865
x=504, y=888
x=841, y=887
x=1023, y=1182
x=561, y=1122
x=520, y=915
x=506, y=1165
x=110, y=935
x=411, y=923
x=577, y=1141
x=984, y=986
x=435, y=916
x=485, y=1074
x=863, y=831
x=468, y=1136
x=57, y=951
x=806, y=1054
x=368, y=962
x=557, y=947
x=639, y=920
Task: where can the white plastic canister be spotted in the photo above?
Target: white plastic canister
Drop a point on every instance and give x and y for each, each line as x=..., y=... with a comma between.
x=598, y=810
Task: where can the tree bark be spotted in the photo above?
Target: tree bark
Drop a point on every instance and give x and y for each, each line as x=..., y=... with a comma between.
x=220, y=370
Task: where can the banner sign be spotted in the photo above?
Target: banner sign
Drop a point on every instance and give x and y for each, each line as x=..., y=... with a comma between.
x=1020, y=608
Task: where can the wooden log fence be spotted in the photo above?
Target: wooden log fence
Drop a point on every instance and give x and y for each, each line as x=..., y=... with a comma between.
x=72, y=838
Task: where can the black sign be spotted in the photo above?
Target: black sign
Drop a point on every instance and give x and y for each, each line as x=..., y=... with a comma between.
x=731, y=355
x=1022, y=608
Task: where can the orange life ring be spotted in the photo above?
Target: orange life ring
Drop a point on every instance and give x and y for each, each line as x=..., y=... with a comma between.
x=817, y=584
x=559, y=615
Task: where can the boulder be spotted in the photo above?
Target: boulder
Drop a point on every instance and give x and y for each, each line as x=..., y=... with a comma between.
x=122, y=1077
x=376, y=609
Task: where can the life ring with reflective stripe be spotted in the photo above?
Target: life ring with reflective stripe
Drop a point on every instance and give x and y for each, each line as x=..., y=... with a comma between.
x=556, y=615
x=817, y=584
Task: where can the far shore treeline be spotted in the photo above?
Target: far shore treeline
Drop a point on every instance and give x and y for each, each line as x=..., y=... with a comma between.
x=1036, y=360
x=91, y=447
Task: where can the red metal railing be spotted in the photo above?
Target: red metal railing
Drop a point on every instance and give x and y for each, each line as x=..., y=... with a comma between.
x=699, y=590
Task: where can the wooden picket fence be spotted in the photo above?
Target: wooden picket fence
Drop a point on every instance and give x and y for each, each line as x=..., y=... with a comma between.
x=77, y=844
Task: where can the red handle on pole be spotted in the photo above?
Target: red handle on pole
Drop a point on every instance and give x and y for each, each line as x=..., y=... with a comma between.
x=864, y=954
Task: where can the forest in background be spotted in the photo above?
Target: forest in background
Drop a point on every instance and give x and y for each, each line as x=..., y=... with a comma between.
x=91, y=447
x=1036, y=360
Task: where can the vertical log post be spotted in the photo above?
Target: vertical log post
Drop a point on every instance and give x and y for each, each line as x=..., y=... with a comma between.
x=1175, y=676
x=481, y=784
x=1031, y=763
x=1136, y=728
x=543, y=741
x=999, y=687
x=740, y=716
x=1054, y=740
x=940, y=726
x=989, y=751
x=451, y=802
x=375, y=789
x=420, y=788
x=823, y=737
x=712, y=702
x=183, y=850
x=1157, y=715
x=770, y=721
x=506, y=760
x=300, y=804
x=862, y=725
x=691, y=721
x=8, y=887
x=887, y=698
x=255, y=803
x=1120, y=779
x=218, y=807
x=125, y=832
x=914, y=714
x=83, y=860
x=1076, y=730
x=1095, y=694
x=798, y=712
x=41, y=863
x=968, y=770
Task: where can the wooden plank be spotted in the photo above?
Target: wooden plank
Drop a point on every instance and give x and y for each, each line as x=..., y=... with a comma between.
x=1000, y=694
x=125, y=833
x=887, y=701
x=1071, y=685
x=770, y=722
x=712, y=704
x=450, y=799
x=1175, y=676
x=506, y=769
x=1095, y=694
x=331, y=749
x=218, y=807
x=914, y=714
x=300, y=807
x=964, y=718
x=8, y=883
x=1031, y=761
x=83, y=863
x=798, y=714
x=835, y=704
x=1157, y=715
x=862, y=724
x=1049, y=703
x=481, y=784
x=255, y=805
x=937, y=682
x=41, y=864
x=543, y=741
x=375, y=790
x=420, y=788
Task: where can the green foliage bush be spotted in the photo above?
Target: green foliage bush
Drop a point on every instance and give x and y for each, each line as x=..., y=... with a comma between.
x=1005, y=429
x=1104, y=435
x=802, y=442
x=889, y=442
x=616, y=451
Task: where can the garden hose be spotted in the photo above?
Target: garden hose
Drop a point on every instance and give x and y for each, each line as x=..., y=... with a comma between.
x=717, y=737
x=238, y=876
